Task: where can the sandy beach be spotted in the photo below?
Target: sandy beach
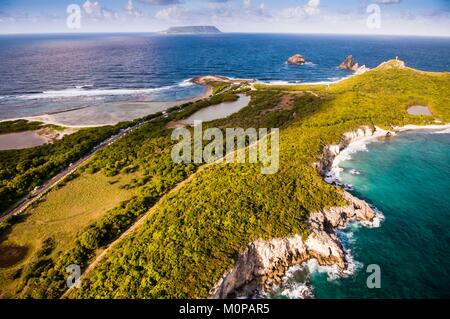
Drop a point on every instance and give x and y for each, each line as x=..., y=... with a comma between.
x=108, y=114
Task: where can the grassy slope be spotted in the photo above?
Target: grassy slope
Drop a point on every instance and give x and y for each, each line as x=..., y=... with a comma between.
x=78, y=204
x=196, y=234
x=22, y=170
x=146, y=150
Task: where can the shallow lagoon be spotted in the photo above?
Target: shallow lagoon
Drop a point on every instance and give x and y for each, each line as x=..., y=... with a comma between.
x=13, y=141
x=218, y=111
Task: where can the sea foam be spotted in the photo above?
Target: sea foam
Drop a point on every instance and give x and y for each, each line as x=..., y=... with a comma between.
x=84, y=91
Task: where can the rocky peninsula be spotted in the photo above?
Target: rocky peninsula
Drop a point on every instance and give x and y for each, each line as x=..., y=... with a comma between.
x=263, y=264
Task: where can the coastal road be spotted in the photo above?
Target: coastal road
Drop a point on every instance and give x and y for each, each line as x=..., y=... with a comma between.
x=42, y=190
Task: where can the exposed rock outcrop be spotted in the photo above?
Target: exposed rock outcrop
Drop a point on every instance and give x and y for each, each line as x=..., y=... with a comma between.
x=263, y=263
x=349, y=64
x=296, y=59
x=207, y=79
x=362, y=69
x=211, y=79
x=392, y=64
x=325, y=163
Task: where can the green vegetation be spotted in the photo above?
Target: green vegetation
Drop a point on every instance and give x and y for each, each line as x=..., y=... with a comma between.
x=19, y=126
x=22, y=170
x=194, y=235
x=145, y=154
x=219, y=88
x=49, y=227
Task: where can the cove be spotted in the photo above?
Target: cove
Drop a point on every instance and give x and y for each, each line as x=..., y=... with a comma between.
x=407, y=178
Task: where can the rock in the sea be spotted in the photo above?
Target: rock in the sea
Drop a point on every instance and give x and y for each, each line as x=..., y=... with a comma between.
x=349, y=64
x=296, y=59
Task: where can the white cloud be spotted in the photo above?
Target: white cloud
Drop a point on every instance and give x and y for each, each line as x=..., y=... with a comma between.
x=96, y=11
x=131, y=10
x=171, y=13
x=247, y=4
x=311, y=8
x=92, y=8
x=160, y=2
x=387, y=1
x=293, y=13
x=262, y=11
x=252, y=10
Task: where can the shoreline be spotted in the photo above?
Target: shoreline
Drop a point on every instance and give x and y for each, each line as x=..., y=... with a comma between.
x=284, y=83
x=49, y=118
x=356, y=141
x=263, y=264
x=203, y=80
x=361, y=70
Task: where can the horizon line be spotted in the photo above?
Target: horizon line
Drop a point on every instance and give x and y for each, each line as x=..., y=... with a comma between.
x=231, y=32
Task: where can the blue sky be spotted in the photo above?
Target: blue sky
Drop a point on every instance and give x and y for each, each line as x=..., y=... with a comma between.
x=415, y=17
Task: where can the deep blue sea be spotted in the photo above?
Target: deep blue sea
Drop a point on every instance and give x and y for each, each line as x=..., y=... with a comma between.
x=50, y=73
x=407, y=178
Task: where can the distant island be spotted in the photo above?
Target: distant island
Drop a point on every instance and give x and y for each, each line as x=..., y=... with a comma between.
x=192, y=30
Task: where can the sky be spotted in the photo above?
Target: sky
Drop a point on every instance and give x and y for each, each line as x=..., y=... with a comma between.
x=405, y=17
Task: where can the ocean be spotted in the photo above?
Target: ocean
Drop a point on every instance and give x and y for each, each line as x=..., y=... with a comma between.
x=52, y=73
x=407, y=179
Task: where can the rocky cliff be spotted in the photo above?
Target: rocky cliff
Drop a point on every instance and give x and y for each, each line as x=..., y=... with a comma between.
x=349, y=64
x=330, y=152
x=263, y=263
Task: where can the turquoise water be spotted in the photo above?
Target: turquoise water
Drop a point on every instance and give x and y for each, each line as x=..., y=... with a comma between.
x=408, y=179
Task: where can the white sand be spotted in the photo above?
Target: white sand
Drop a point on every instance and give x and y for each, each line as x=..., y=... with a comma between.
x=359, y=144
x=107, y=114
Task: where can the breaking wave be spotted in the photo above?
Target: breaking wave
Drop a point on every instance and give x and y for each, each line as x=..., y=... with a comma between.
x=87, y=91
x=446, y=131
